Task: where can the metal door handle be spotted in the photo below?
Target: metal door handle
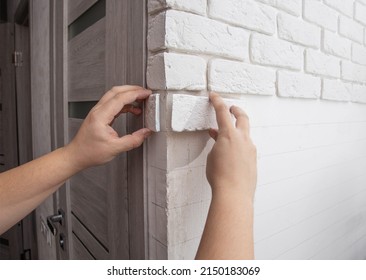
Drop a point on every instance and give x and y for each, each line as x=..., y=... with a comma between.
x=51, y=220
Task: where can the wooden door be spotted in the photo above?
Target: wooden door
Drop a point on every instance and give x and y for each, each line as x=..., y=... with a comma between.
x=42, y=114
x=103, y=45
x=10, y=241
x=15, y=129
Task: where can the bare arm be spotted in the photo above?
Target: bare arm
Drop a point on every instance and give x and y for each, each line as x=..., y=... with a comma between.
x=232, y=174
x=23, y=188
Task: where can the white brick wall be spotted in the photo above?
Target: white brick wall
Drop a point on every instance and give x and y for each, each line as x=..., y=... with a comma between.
x=351, y=29
x=299, y=69
x=321, y=64
x=234, y=77
x=320, y=14
x=248, y=13
x=335, y=45
x=266, y=50
x=296, y=30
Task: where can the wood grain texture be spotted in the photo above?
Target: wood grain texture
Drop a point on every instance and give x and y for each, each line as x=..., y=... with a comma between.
x=59, y=103
x=9, y=136
x=23, y=95
x=77, y=7
x=40, y=89
x=24, y=125
x=136, y=75
x=89, y=241
x=88, y=195
x=86, y=70
x=116, y=74
x=80, y=252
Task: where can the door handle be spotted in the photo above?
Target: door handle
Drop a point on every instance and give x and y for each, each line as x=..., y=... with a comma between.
x=53, y=219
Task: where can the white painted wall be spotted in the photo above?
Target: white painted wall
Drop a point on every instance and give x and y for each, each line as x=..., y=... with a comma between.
x=299, y=68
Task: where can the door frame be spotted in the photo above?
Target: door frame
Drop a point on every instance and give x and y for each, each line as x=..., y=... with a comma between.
x=126, y=23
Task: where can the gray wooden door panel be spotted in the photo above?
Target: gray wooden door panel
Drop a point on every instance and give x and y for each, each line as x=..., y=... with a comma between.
x=101, y=213
x=23, y=95
x=89, y=204
x=78, y=7
x=87, y=64
x=40, y=19
x=85, y=236
x=80, y=251
x=88, y=194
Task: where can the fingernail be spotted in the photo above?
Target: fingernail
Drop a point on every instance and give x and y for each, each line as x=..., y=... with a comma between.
x=147, y=132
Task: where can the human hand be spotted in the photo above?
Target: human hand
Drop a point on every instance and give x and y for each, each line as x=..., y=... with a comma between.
x=232, y=162
x=96, y=141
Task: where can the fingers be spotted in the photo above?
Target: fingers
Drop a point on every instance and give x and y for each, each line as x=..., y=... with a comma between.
x=115, y=90
x=134, y=140
x=223, y=115
x=131, y=109
x=110, y=109
x=242, y=120
x=213, y=133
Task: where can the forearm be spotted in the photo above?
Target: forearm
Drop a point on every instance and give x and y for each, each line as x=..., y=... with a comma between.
x=228, y=233
x=23, y=188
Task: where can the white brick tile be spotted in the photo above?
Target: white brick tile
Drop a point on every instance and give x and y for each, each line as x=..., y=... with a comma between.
x=360, y=13
x=336, y=90
x=176, y=72
x=359, y=54
x=359, y=93
x=291, y=6
x=321, y=64
x=195, y=113
x=318, y=13
x=293, y=29
x=267, y=50
x=336, y=45
x=343, y=6
x=196, y=6
x=197, y=34
x=152, y=113
x=298, y=85
x=236, y=77
x=351, y=29
x=245, y=13
x=353, y=72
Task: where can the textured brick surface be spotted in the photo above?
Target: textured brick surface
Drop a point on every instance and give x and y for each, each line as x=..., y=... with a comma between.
x=196, y=6
x=353, y=72
x=321, y=64
x=343, y=6
x=290, y=6
x=196, y=34
x=298, y=68
x=298, y=31
x=351, y=29
x=236, y=77
x=336, y=90
x=246, y=13
x=336, y=45
x=320, y=14
x=192, y=113
x=298, y=85
x=359, y=54
x=360, y=12
x=176, y=72
x=267, y=50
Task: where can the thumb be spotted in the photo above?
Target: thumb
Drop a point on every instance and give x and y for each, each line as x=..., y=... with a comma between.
x=134, y=140
x=213, y=133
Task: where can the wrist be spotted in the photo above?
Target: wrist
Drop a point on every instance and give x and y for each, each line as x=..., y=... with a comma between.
x=233, y=196
x=70, y=157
